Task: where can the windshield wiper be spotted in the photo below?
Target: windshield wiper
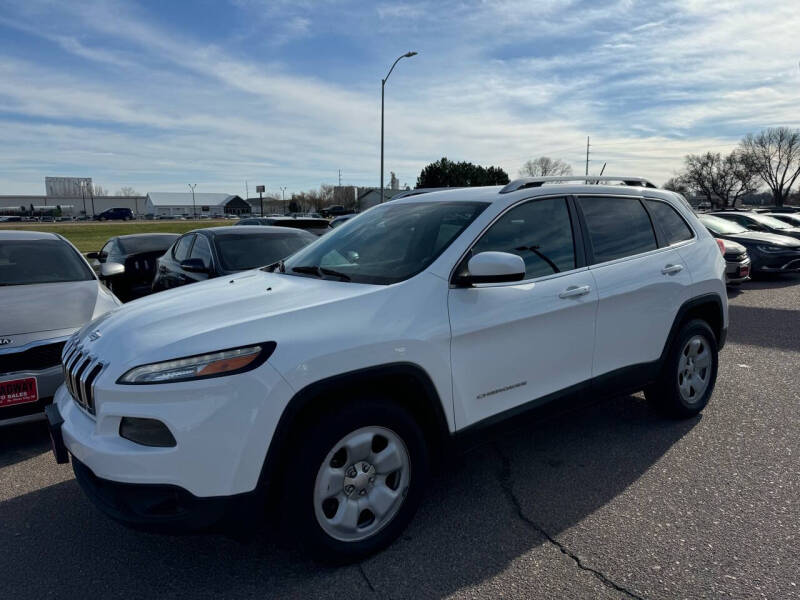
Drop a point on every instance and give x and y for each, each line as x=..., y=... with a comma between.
x=535, y=250
x=310, y=269
x=333, y=273
x=320, y=271
x=275, y=267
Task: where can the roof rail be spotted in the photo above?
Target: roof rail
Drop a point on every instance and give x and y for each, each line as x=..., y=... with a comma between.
x=533, y=182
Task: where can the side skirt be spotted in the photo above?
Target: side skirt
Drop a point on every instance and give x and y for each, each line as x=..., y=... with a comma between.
x=616, y=383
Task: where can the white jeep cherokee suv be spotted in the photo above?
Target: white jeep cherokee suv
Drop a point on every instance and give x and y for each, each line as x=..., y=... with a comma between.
x=327, y=385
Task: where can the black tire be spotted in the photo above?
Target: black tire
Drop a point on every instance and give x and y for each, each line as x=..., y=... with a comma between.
x=309, y=452
x=665, y=393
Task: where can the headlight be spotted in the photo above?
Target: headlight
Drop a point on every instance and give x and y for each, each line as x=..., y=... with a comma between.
x=201, y=366
x=774, y=249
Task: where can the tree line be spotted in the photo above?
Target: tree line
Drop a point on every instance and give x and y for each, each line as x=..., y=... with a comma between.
x=769, y=158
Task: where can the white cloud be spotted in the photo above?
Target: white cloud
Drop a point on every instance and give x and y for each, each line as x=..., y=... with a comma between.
x=648, y=82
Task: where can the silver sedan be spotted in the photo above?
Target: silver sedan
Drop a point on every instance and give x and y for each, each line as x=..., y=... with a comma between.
x=47, y=292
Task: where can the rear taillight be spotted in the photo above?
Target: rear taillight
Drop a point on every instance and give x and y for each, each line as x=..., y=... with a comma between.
x=721, y=245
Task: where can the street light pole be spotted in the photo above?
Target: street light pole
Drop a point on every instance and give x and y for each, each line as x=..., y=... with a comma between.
x=283, y=192
x=83, y=195
x=91, y=191
x=383, y=87
x=194, y=208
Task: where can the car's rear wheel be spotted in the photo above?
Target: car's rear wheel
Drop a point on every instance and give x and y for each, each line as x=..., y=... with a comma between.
x=356, y=480
x=689, y=373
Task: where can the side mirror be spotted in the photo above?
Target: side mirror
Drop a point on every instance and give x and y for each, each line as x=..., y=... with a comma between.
x=94, y=255
x=111, y=269
x=194, y=265
x=493, y=267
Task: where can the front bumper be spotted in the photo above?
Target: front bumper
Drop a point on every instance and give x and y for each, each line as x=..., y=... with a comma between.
x=737, y=271
x=163, y=508
x=222, y=428
x=47, y=382
x=781, y=264
x=774, y=262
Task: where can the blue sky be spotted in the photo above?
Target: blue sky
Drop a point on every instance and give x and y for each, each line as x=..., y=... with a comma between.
x=155, y=95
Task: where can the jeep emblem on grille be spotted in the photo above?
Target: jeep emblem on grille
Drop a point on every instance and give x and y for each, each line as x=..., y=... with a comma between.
x=5, y=341
x=94, y=335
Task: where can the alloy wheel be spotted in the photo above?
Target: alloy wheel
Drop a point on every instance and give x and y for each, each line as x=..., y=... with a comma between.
x=362, y=483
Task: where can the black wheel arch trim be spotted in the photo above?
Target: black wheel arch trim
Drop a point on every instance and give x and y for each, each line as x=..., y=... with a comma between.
x=685, y=309
x=304, y=398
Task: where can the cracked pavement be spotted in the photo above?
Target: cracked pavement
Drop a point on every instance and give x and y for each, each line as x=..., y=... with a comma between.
x=607, y=501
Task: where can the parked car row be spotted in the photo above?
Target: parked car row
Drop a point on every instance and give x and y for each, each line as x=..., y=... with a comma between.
x=326, y=385
x=772, y=245
x=139, y=264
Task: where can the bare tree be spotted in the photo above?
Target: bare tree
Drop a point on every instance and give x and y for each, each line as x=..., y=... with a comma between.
x=126, y=191
x=99, y=190
x=676, y=184
x=722, y=180
x=544, y=166
x=774, y=155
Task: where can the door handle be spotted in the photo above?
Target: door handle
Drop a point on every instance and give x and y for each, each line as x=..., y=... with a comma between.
x=574, y=291
x=672, y=269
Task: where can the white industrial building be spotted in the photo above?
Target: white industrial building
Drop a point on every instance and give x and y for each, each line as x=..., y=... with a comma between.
x=164, y=204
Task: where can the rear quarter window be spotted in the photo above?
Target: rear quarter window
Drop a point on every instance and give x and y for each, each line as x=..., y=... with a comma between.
x=671, y=224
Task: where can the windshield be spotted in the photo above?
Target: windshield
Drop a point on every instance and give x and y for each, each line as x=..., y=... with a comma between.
x=720, y=226
x=388, y=243
x=25, y=262
x=316, y=226
x=147, y=243
x=242, y=252
x=771, y=222
x=791, y=219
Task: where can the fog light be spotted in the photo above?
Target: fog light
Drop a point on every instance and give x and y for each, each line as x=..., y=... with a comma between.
x=147, y=432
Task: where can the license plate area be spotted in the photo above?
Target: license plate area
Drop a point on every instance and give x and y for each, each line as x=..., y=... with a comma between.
x=18, y=391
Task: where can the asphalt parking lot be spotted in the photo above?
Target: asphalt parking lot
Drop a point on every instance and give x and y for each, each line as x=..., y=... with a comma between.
x=609, y=501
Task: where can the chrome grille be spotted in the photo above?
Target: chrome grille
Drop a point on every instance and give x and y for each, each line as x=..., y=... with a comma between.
x=80, y=372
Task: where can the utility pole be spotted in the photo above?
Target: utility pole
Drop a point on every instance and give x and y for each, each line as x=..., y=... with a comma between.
x=83, y=195
x=340, y=178
x=91, y=191
x=587, y=160
x=283, y=191
x=194, y=208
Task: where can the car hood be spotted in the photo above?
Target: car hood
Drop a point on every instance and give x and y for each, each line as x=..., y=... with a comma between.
x=760, y=237
x=734, y=248
x=220, y=313
x=47, y=306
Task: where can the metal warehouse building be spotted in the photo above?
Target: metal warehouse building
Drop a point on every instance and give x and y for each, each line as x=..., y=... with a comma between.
x=204, y=204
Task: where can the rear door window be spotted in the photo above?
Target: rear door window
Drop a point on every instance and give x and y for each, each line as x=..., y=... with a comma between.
x=618, y=227
x=181, y=250
x=202, y=250
x=672, y=225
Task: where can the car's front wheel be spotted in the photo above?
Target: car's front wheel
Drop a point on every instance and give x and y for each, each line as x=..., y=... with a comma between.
x=357, y=480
